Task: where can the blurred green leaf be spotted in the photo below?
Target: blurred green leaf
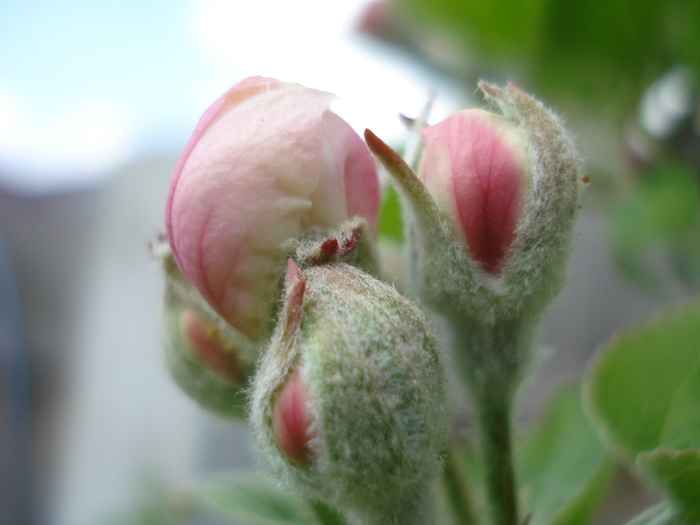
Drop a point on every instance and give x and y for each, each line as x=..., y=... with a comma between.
x=682, y=426
x=685, y=256
x=678, y=474
x=562, y=466
x=598, y=50
x=664, y=203
x=257, y=501
x=496, y=28
x=591, y=52
x=661, y=514
x=639, y=379
x=662, y=211
x=390, y=215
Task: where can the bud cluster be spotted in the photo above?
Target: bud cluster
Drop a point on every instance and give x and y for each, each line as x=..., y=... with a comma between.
x=272, y=299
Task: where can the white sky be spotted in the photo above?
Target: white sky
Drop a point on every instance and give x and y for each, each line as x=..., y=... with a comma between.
x=86, y=85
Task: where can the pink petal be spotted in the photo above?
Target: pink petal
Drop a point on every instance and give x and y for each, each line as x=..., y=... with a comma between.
x=266, y=162
x=475, y=167
x=291, y=419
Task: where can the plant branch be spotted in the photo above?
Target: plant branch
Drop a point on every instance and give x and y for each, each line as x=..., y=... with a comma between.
x=456, y=488
x=496, y=447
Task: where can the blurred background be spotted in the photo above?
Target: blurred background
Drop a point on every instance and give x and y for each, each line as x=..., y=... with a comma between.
x=98, y=98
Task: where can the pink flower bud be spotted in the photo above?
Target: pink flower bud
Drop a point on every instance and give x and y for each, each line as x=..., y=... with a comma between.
x=267, y=162
x=291, y=419
x=475, y=166
x=208, y=344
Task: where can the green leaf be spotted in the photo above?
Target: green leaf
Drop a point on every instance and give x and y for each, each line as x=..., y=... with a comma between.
x=257, y=501
x=636, y=382
x=498, y=28
x=563, y=468
x=602, y=49
x=390, y=217
x=682, y=426
x=661, y=514
x=662, y=211
x=678, y=474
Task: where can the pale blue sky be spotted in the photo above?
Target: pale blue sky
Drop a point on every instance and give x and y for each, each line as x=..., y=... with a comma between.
x=85, y=85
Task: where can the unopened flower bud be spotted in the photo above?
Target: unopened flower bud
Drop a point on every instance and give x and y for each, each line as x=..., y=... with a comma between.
x=211, y=361
x=267, y=162
x=349, y=401
x=491, y=219
x=476, y=167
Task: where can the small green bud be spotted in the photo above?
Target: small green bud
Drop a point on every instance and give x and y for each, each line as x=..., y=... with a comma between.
x=210, y=360
x=349, y=402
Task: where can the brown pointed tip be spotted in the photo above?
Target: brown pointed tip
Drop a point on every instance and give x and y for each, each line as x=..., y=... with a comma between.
x=371, y=139
x=386, y=155
x=291, y=420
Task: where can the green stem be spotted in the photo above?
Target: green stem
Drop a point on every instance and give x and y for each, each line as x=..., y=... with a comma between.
x=456, y=488
x=497, y=452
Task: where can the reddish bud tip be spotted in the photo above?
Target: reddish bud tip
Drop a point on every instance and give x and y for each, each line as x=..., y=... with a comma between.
x=291, y=419
x=208, y=345
x=329, y=248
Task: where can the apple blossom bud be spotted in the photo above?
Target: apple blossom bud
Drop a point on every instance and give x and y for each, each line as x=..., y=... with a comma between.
x=490, y=224
x=349, y=401
x=475, y=165
x=211, y=361
x=267, y=162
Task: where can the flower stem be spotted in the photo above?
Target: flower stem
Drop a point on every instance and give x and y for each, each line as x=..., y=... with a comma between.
x=495, y=419
x=456, y=488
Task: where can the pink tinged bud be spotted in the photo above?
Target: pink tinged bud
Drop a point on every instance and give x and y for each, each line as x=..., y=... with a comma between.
x=291, y=420
x=475, y=166
x=208, y=345
x=267, y=162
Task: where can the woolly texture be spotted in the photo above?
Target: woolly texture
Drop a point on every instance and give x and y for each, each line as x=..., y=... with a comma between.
x=495, y=317
x=375, y=391
x=207, y=358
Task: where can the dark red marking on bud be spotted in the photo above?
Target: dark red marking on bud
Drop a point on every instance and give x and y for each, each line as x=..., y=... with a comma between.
x=586, y=179
x=291, y=419
x=350, y=239
x=328, y=249
x=323, y=253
